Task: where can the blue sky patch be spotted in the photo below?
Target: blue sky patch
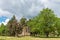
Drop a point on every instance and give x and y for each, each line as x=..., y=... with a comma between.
x=2, y=19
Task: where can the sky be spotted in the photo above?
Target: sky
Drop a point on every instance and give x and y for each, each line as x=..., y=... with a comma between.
x=26, y=8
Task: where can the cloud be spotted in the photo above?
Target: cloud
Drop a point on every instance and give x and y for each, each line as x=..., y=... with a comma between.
x=44, y=2
x=5, y=13
x=20, y=7
x=27, y=8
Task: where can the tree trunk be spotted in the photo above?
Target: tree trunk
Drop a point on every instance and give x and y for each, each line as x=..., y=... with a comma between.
x=47, y=34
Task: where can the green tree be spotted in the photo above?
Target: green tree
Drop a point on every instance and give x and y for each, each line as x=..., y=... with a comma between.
x=3, y=29
x=23, y=21
x=48, y=20
x=57, y=25
x=34, y=26
x=25, y=29
x=43, y=23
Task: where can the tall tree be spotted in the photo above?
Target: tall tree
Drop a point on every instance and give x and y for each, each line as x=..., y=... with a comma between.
x=43, y=23
x=13, y=26
x=48, y=20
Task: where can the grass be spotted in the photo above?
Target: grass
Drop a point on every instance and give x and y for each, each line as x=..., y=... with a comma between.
x=26, y=38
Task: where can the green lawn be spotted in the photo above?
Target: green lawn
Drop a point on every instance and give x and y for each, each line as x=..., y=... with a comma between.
x=26, y=38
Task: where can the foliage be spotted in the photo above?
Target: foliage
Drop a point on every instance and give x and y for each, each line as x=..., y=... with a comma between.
x=43, y=23
x=3, y=29
x=13, y=27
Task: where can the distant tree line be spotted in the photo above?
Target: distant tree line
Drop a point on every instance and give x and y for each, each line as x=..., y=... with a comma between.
x=45, y=24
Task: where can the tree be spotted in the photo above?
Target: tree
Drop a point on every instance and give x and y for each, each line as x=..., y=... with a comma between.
x=3, y=30
x=48, y=20
x=13, y=26
x=23, y=21
x=43, y=23
x=34, y=26
x=57, y=25
x=24, y=27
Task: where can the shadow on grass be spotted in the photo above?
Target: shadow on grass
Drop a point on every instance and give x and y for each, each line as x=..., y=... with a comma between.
x=44, y=37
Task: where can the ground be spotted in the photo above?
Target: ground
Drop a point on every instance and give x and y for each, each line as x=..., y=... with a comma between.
x=26, y=38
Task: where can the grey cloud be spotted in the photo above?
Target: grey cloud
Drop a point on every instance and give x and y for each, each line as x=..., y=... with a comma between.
x=21, y=8
x=27, y=8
